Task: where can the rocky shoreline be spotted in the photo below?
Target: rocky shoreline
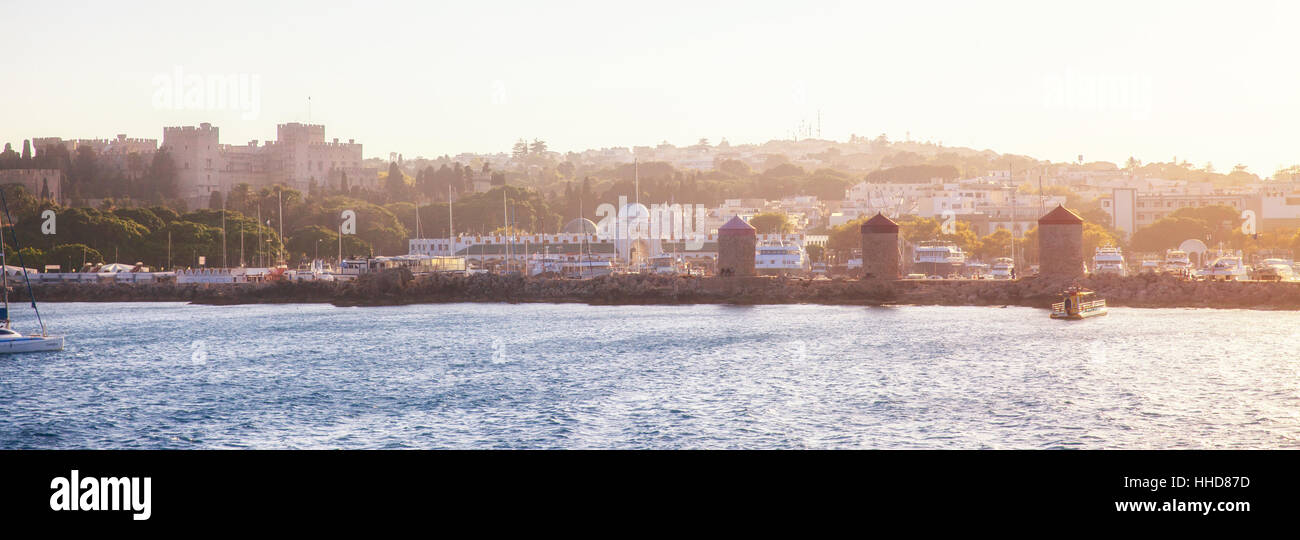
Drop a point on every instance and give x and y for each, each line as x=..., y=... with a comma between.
x=400, y=288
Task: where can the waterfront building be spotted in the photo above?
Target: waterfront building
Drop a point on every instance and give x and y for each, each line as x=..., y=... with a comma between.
x=1060, y=244
x=881, y=256
x=1131, y=209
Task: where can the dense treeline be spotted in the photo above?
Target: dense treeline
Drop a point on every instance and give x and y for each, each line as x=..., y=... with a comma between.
x=87, y=175
x=161, y=237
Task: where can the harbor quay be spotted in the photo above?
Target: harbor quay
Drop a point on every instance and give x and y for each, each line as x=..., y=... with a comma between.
x=398, y=287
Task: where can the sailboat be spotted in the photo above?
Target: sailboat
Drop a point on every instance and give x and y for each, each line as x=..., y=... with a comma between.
x=10, y=340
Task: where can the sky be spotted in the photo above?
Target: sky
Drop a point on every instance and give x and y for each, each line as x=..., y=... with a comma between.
x=1198, y=81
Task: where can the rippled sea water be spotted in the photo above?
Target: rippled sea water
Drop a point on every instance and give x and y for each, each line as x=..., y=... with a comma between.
x=171, y=375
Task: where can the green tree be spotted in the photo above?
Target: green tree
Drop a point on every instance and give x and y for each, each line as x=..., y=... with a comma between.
x=71, y=257
x=771, y=223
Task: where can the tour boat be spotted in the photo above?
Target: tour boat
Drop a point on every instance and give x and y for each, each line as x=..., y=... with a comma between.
x=10, y=340
x=1108, y=260
x=938, y=258
x=1078, y=303
x=778, y=258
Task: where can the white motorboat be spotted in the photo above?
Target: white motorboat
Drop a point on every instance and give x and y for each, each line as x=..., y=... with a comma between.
x=1150, y=266
x=1003, y=268
x=1274, y=270
x=1226, y=269
x=1108, y=260
x=1177, y=262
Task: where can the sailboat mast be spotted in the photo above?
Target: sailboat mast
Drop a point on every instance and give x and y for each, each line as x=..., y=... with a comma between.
x=279, y=197
x=505, y=219
x=4, y=269
x=223, y=233
x=451, y=228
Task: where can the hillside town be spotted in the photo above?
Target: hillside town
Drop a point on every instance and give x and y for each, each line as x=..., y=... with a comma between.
x=251, y=212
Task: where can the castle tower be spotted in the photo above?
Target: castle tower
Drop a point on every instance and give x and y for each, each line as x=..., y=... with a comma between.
x=881, y=258
x=1060, y=244
x=737, y=241
x=197, y=154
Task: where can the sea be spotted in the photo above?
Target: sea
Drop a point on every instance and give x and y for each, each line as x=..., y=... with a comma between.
x=501, y=376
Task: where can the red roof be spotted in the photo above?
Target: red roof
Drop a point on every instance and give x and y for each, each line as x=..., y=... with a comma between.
x=1060, y=216
x=880, y=224
x=737, y=226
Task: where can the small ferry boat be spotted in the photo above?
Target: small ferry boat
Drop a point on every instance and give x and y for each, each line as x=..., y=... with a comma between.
x=1078, y=303
x=1108, y=260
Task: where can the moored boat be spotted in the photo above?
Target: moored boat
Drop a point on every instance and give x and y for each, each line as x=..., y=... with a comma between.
x=10, y=340
x=1109, y=260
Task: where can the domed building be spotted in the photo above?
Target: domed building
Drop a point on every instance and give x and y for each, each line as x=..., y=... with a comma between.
x=579, y=226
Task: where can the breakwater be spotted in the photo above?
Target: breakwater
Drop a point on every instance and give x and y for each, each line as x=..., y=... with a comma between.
x=398, y=288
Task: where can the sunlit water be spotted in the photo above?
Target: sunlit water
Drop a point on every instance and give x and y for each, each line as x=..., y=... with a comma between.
x=170, y=375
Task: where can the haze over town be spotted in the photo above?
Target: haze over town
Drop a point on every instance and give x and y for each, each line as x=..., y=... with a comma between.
x=1155, y=80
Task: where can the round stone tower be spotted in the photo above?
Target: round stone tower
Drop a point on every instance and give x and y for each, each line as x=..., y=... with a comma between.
x=736, y=244
x=1060, y=244
x=881, y=258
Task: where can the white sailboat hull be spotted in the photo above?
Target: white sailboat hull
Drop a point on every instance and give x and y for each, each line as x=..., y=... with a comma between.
x=31, y=344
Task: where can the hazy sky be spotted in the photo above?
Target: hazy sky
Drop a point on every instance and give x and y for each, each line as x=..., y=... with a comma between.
x=1213, y=81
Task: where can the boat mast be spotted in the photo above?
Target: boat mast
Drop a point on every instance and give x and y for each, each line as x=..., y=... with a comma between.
x=4, y=269
x=21, y=264
x=451, y=229
x=279, y=197
x=505, y=219
x=223, y=233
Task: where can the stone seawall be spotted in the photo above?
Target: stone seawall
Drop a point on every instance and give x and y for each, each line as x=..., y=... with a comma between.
x=397, y=288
